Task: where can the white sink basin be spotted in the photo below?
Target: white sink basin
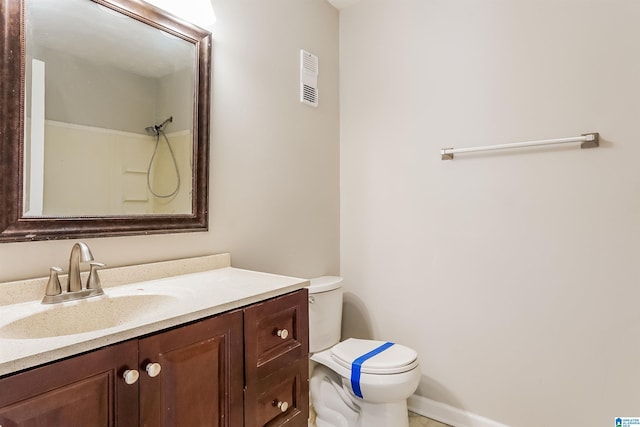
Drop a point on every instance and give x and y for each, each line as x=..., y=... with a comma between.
x=88, y=315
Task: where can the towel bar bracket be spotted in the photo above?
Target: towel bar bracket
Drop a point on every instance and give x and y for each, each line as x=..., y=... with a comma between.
x=592, y=142
x=445, y=155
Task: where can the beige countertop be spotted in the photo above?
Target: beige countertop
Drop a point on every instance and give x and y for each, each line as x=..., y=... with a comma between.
x=165, y=302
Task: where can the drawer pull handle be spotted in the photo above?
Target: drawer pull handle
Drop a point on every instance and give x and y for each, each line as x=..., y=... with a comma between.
x=283, y=406
x=153, y=369
x=282, y=333
x=130, y=376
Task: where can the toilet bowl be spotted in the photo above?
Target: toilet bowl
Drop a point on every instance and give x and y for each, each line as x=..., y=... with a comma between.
x=357, y=383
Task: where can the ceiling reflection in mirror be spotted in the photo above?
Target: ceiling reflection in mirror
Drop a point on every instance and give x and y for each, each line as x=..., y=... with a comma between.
x=109, y=114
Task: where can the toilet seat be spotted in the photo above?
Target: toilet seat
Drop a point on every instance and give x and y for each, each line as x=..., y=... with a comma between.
x=392, y=360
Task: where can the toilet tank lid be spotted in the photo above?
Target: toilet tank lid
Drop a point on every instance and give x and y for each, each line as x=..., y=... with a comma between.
x=324, y=284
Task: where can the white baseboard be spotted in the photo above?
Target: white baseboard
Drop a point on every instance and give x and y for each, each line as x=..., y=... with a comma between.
x=448, y=414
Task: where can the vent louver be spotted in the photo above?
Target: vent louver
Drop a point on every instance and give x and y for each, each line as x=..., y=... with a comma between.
x=308, y=78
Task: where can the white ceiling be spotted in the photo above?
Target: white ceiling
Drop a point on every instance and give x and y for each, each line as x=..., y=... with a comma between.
x=100, y=35
x=341, y=4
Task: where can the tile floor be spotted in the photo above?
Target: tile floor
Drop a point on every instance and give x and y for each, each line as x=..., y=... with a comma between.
x=415, y=420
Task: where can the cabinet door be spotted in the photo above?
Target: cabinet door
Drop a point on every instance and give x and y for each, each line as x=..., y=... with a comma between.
x=200, y=380
x=83, y=391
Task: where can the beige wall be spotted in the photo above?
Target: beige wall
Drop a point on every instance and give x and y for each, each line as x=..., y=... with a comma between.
x=102, y=89
x=513, y=274
x=174, y=101
x=274, y=161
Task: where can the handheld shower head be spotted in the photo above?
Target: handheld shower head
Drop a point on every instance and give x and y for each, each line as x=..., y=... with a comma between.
x=155, y=129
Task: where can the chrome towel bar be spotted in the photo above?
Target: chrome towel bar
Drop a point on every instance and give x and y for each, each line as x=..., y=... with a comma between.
x=589, y=140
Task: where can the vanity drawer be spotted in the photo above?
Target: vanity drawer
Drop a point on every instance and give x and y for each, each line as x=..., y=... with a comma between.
x=282, y=399
x=276, y=331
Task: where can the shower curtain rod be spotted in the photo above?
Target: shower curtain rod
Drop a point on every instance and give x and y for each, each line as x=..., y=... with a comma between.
x=589, y=140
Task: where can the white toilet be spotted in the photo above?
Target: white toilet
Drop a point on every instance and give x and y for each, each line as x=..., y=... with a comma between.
x=357, y=383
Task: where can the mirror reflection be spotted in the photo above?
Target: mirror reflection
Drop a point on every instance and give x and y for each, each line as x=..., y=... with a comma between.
x=109, y=114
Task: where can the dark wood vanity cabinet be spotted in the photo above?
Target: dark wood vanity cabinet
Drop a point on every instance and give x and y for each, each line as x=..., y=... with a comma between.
x=83, y=391
x=188, y=376
x=276, y=362
x=192, y=375
x=233, y=369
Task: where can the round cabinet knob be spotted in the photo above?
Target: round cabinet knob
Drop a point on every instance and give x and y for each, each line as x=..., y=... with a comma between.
x=312, y=299
x=130, y=376
x=282, y=333
x=283, y=406
x=153, y=369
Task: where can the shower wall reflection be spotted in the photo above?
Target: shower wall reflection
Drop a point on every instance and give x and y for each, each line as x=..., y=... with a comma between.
x=82, y=161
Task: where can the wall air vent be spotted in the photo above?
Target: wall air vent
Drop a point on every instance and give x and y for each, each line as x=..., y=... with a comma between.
x=308, y=78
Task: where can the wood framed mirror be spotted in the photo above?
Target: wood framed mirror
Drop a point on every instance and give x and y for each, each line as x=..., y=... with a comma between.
x=104, y=120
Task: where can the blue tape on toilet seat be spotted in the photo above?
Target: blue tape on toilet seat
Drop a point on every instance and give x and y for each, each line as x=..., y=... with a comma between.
x=356, y=367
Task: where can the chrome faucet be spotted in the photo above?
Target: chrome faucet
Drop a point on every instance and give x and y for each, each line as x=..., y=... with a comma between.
x=54, y=293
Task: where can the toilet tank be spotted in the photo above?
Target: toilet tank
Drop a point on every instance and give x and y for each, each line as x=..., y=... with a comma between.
x=325, y=312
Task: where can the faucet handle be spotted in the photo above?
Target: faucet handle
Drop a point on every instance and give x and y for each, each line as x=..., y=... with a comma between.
x=53, y=285
x=93, y=282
